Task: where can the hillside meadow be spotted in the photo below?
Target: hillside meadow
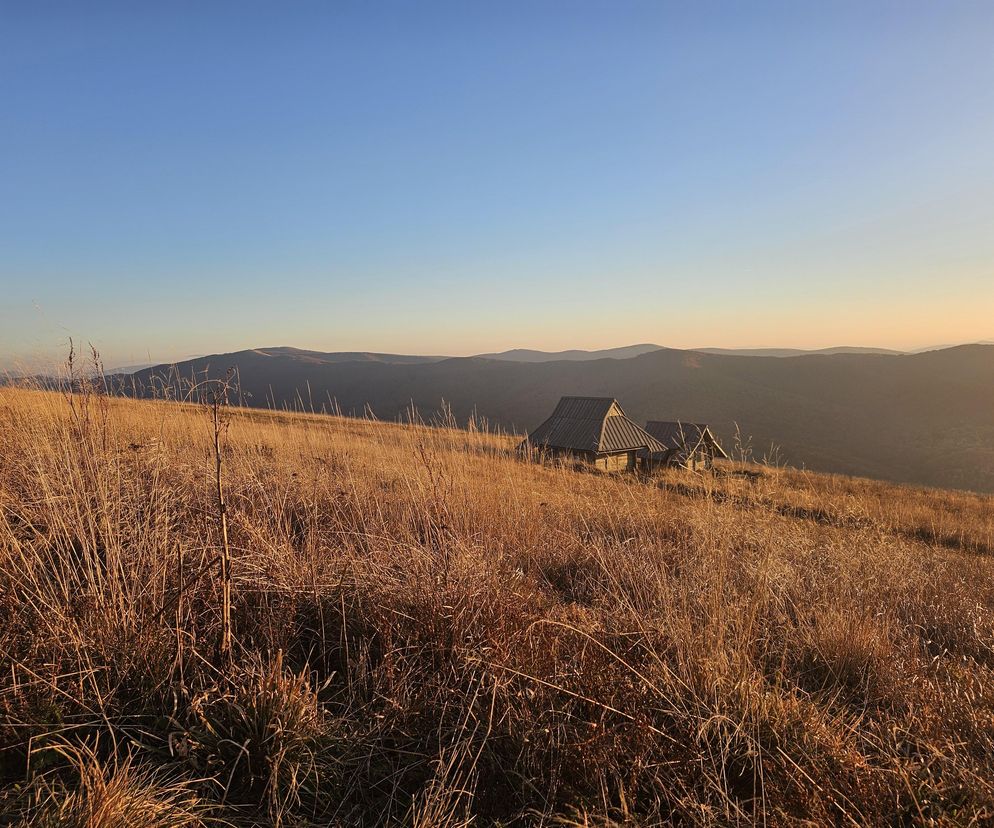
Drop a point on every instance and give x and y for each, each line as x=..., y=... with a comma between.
x=921, y=419
x=429, y=630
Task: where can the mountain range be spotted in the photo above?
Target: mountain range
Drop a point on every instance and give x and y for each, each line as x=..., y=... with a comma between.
x=575, y=355
x=925, y=418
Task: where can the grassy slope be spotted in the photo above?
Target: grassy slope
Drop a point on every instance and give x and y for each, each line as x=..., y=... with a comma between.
x=431, y=630
x=922, y=418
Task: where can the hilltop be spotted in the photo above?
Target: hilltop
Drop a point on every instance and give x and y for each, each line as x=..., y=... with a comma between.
x=432, y=630
x=529, y=355
x=919, y=418
x=792, y=352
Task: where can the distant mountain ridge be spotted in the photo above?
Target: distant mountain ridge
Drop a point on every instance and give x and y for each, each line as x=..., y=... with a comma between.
x=277, y=358
x=792, y=352
x=529, y=355
x=919, y=418
x=629, y=351
x=328, y=357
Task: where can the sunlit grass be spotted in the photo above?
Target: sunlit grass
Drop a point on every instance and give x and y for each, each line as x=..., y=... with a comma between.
x=430, y=630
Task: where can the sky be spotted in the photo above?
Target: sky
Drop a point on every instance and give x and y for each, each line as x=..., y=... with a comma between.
x=455, y=178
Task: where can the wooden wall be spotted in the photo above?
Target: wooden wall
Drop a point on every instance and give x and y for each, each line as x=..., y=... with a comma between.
x=616, y=462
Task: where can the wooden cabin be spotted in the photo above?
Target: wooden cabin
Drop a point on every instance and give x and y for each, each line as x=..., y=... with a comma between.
x=690, y=445
x=595, y=431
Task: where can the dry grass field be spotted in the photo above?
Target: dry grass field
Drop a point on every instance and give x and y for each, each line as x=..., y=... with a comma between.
x=431, y=631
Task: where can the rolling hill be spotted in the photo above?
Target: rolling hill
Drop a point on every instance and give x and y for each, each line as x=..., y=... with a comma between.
x=789, y=352
x=284, y=352
x=923, y=418
x=528, y=355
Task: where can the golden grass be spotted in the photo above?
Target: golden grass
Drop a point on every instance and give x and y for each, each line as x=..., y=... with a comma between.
x=431, y=631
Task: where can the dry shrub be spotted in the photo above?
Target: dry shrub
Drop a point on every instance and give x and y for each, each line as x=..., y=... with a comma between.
x=265, y=738
x=114, y=794
x=847, y=652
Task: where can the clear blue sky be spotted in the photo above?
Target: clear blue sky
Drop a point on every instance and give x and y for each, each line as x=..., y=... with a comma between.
x=183, y=178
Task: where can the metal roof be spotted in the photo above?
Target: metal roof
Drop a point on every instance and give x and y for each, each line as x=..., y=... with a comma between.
x=595, y=424
x=677, y=435
x=621, y=434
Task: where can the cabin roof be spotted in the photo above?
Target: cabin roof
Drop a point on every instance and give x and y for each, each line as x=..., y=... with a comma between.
x=674, y=434
x=595, y=424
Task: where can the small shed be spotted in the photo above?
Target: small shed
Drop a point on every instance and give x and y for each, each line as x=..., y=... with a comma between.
x=691, y=445
x=595, y=431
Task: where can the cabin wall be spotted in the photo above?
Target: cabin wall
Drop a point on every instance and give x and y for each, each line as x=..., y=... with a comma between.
x=700, y=460
x=619, y=461
x=572, y=455
x=622, y=461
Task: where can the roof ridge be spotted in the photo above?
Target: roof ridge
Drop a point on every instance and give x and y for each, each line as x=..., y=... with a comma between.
x=650, y=442
x=647, y=434
x=600, y=436
x=597, y=424
x=689, y=435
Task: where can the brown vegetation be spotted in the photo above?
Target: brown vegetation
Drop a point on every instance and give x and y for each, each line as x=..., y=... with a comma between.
x=428, y=630
x=923, y=419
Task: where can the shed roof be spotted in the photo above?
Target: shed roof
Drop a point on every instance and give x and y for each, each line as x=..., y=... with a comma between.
x=595, y=424
x=678, y=435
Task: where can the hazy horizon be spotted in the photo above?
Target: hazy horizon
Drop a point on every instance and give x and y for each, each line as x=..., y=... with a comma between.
x=55, y=360
x=453, y=179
